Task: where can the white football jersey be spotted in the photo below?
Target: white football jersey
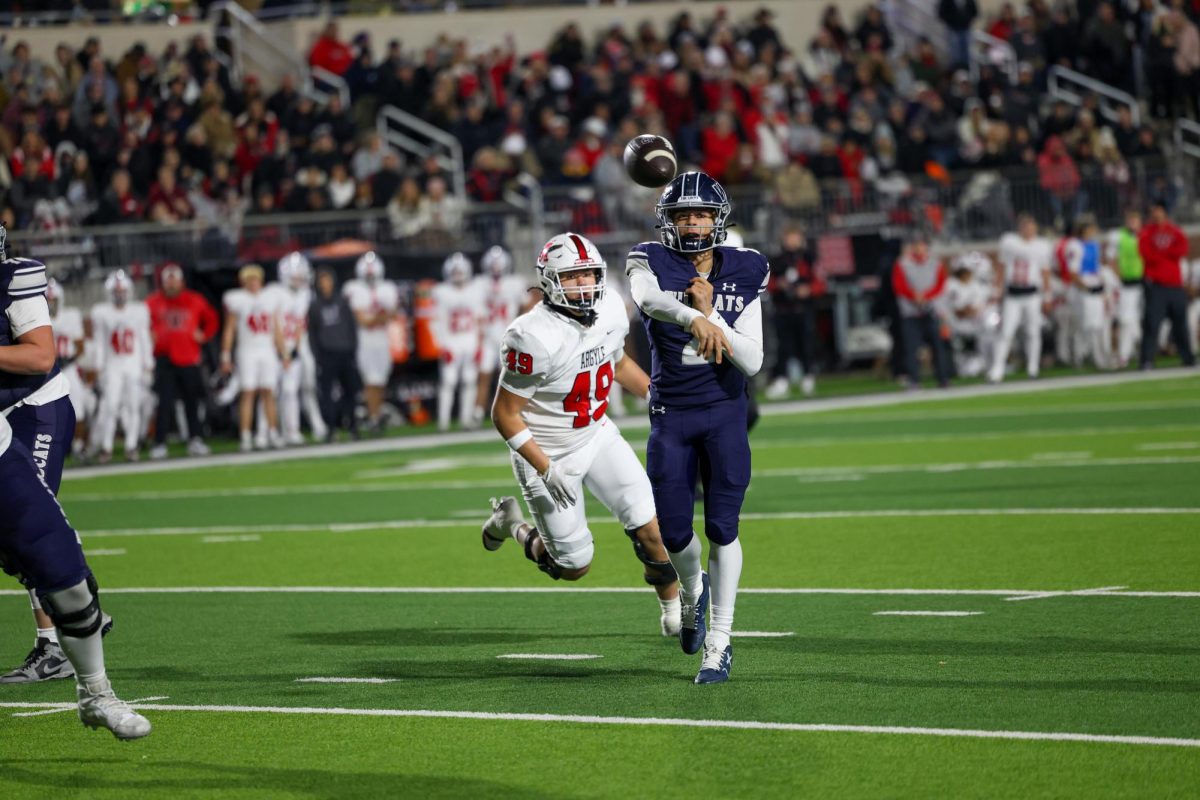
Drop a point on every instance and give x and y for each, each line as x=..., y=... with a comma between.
x=121, y=335
x=372, y=298
x=256, y=315
x=566, y=370
x=503, y=298
x=962, y=295
x=1024, y=261
x=293, y=312
x=457, y=309
x=68, y=329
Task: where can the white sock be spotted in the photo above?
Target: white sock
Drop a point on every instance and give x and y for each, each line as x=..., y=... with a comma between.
x=724, y=571
x=687, y=563
x=48, y=633
x=670, y=607
x=86, y=656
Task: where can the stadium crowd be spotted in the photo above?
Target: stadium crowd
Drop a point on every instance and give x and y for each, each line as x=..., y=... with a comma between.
x=91, y=137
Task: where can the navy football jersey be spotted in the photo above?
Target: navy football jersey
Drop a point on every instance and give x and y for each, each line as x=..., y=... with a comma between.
x=678, y=376
x=19, y=278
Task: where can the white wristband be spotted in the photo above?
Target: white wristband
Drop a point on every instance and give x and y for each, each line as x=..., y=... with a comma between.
x=519, y=439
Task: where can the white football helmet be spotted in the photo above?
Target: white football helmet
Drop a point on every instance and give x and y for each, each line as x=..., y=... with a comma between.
x=979, y=264
x=369, y=267
x=457, y=268
x=118, y=287
x=496, y=261
x=294, y=270
x=54, y=295
x=566, y=253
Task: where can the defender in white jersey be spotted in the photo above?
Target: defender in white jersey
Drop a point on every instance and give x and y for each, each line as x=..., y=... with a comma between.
x=252, y=320
x=559, y=362
x=458, y=305
x=1025, y=262
x=298, y=382
x=69, y=342
x=124, y=356
x=374, y=302
x=505, y=296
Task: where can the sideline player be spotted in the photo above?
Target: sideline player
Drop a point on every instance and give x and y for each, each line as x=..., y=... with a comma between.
x=560, y=361
x=458, y=305
x=1125, y=258
x=121, y=343
x=35, y=398
x=252, y=319
x=701, y=355
x=38, y=545
x=1025, y=272
x=505, y=297
x=298, y=381
x=374, y=302
x=70, y=342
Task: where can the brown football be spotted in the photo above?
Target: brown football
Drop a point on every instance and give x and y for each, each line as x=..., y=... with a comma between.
x=650, y=160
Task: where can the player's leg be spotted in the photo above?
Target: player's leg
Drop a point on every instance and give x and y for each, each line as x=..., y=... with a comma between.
x=1010, y=318
x=37, y=543
x=1177, y=311
x=488, y=362
x=726, y=463
x=448, y=371
x=131, y=404
x=289, y=402
x=469, y=385
x=110, y=404
x=617, y=480
x=1031, y=319
x=308, y=393
x=671, y=466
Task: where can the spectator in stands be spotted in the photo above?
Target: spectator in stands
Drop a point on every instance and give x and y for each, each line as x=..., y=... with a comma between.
x=167, y=202
x=1061, y=37
x=404, y=209
x=873, y=25
x=794, y=287
x=1163, y=247
x=958, y=16
x=1186, y=62
x=181, y=323
x=1059, y=178
x=386, y=182
x=342, y=187
x=333, y=337
x=119, y=205
x=330, y=53
x=919, y=280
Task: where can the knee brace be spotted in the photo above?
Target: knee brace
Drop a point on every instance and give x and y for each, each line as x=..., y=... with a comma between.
x=544, y=562
x=661, y=573
x=75, y=611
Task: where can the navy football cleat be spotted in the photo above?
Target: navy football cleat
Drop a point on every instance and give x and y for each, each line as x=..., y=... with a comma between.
x=692, y=638
x=715, y=666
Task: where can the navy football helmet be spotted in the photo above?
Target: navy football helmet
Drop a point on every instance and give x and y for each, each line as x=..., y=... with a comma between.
x=692, y=190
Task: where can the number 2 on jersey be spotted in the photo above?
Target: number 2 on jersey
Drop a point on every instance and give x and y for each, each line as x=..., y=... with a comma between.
x=579, y=399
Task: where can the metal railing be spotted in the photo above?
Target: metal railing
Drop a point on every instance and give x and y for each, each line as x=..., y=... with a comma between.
x=417, y=137
x=988, y=49
x=1187, y=137
x=1071, y=86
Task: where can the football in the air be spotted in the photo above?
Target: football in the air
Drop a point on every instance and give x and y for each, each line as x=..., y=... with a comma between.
x=650, y=160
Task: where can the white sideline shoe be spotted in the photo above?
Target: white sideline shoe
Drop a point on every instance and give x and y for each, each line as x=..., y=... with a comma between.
x=506, y=515
x=100, y=708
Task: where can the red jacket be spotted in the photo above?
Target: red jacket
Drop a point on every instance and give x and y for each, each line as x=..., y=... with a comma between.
x=1162, y=246
x=174, y=322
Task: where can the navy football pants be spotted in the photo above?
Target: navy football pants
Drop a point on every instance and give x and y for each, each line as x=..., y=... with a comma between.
x=709, y=440
x=46, y=431
x=36, y=541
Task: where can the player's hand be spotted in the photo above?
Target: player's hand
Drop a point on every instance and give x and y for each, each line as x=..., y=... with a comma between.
x=700, y=294
x=198, y=336
x=557, y=480
x=226, y=367
x=446, y=356
x=710, y=339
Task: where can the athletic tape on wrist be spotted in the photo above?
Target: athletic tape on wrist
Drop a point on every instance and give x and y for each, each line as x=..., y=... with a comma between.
x=519, y=439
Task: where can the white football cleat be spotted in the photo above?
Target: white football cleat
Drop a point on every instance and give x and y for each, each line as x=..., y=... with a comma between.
x=197, y=447
x=670, y=624
x=777, y=390
x=506, y=516
x=100, y=708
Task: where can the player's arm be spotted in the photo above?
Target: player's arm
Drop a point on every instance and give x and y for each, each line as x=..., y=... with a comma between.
x=146, y=342
x=280, y=341
x=506, y=416
x=227, y=336
x=632, y=377
x=657, y=304
x=745, y=337
x=34, y=351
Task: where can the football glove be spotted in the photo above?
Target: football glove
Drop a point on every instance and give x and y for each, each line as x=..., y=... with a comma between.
x=557, y=479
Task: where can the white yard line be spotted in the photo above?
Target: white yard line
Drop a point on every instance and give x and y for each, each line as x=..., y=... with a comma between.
x=1074, y=455
x=763, y=634
x=727, y=724
x=1076, y=593
x=105, y=551
x=926, y=613
x=851, y=472
x=477, y=517
x=65, y=707
x=633, y=422
x=1014, y=593
x=1168, y=446
x=249, y=537
x=346, y=680
x=551, y=656
x=779, y=442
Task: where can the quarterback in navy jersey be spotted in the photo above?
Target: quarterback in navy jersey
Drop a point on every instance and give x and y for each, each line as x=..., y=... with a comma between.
x=700, y=305
x=35, y=398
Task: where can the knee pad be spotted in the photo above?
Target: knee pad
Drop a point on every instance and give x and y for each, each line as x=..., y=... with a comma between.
x=75, y=611
x=720, y=531
x=661, y=573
